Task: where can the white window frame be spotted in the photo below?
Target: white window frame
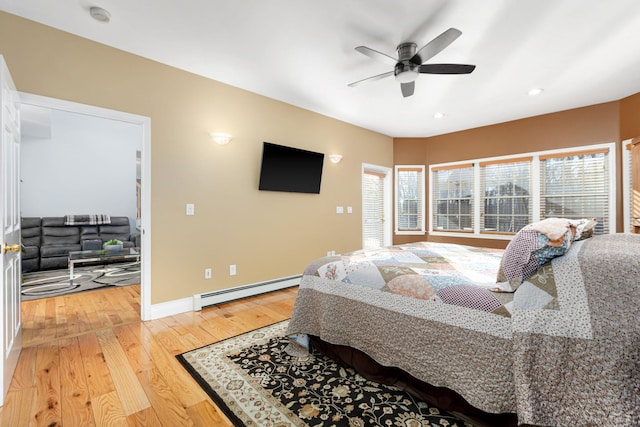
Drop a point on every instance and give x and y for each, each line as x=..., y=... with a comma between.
x=626, y=186
x=535, y=189
x=421, y=230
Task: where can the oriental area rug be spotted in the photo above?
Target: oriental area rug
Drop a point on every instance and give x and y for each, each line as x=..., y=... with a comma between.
x=51, y=283
x=255, y=382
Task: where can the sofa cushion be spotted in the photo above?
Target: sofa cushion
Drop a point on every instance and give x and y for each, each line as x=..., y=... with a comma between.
x=29, y=252
x=30, y=222
x=119, y=228
x=30, y=231
x=54, y=262
x=58, y=250
x=29, y=265
x=55, y=233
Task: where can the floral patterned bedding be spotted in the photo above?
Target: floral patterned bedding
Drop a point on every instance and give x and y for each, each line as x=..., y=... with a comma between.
x=562, y=349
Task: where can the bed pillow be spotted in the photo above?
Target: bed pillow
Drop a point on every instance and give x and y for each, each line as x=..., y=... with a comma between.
x=535, y=245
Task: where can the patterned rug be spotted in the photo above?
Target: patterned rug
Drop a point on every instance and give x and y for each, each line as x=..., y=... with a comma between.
x=51, y=283
x=257, y=383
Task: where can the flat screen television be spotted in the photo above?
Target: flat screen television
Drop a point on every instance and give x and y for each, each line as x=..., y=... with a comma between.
x=290, y=169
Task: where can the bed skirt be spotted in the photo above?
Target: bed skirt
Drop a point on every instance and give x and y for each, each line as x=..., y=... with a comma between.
x=440, y=397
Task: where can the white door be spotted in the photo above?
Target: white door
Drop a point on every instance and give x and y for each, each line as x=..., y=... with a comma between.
x=10, y=316
x=376, y=207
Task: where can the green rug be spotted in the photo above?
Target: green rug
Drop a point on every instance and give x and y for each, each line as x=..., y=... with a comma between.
x=257, y=383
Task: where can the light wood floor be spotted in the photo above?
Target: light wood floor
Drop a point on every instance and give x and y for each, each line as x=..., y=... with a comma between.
x=88, y=360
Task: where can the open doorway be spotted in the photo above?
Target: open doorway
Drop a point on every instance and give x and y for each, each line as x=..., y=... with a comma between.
x=137, y=131
x=376, y=206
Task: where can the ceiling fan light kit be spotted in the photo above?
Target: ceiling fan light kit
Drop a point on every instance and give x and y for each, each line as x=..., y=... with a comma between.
x=100, y=14
x=410, y=63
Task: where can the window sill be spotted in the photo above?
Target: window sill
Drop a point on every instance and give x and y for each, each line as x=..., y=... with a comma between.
x=471, y=235
x=410, y=233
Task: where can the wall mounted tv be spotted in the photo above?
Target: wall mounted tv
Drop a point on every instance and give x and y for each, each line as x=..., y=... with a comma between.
x=290, y=169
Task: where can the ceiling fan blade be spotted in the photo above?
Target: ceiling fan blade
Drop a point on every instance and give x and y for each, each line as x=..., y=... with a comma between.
x=447, y=68
x=435, y=46
x=407, y=88
x=371, y=79
x=379, y=56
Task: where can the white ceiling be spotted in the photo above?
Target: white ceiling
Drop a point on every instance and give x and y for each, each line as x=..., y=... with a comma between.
x=302, y=52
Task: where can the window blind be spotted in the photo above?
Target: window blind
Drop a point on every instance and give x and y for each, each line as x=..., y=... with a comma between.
x=453, y=198
x=373, y=209
x=410, y=198
x=506, y=204
x=576, y=185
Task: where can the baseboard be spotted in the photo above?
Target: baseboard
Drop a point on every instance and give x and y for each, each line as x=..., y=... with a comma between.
x=225, y=295
x=169, y=308
x=198, y=301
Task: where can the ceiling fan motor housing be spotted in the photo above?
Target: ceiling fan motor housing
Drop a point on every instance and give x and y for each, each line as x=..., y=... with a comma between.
x=405, y=70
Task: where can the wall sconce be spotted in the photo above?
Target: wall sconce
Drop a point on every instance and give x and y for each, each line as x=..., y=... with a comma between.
x=221, y=138
x=335, y=158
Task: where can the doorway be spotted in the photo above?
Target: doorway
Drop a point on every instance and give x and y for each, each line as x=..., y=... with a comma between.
x=143, y=126
x=376, y=206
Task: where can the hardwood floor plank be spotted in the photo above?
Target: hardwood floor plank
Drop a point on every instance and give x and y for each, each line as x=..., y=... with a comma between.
x=107, y=411
x=206, y=414
x=74, y=390
x=131, y=394
x=183, y=385
x=87, y=359
x=17, y=407
x=96, y=370
x=146, y=418
x=23, y=377
x=46, y=408
x=165, y=400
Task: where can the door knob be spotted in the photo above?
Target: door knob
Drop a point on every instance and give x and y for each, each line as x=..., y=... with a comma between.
x=14, y=248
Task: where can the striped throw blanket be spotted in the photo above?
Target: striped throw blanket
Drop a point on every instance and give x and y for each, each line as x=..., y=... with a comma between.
x=86, y=219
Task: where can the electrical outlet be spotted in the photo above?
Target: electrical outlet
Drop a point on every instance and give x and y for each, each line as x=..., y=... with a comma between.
x=232, y=270
x=191, y=209
x=207, y=273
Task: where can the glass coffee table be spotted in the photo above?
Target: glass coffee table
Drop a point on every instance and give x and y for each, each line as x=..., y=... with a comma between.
x=81, y=257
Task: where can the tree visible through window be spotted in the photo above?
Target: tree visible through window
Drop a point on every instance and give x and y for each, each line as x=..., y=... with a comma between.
x=506, y=204
x=453, y=198
x=502, y=195
x=576, y=186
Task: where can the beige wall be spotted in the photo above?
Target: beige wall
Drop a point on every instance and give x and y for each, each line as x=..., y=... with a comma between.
x=581, y=126
x=267, y=235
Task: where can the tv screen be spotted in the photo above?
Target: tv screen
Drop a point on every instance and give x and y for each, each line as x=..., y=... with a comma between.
x=290, y=169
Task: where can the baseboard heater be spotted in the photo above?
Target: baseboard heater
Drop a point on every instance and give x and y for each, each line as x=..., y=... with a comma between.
x=225, y=295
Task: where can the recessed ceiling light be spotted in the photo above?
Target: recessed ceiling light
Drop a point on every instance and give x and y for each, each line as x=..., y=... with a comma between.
x=99, y=14
x=535, y=91
x=438, y=115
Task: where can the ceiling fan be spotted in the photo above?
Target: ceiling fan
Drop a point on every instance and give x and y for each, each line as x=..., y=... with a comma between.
x=410, y=63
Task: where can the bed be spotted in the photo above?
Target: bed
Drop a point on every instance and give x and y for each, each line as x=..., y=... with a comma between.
x=560, y=348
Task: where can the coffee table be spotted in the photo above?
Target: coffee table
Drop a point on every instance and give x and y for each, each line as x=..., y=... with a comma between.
x=80, y=257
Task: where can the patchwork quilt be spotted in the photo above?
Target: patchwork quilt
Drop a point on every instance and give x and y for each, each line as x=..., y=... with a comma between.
x=443, y=273
x=560, y=350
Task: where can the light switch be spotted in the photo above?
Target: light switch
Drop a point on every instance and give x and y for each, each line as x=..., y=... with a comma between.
x=349, y=209
x=191, y=209
x=339, y=209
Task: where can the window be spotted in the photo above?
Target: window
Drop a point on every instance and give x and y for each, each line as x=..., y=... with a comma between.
x=453, y=198
x=576, y=185
x=373, y=209
x=506, y=186
x=409, y=213
x=499, y=196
